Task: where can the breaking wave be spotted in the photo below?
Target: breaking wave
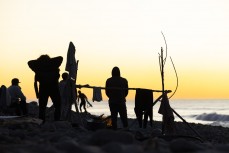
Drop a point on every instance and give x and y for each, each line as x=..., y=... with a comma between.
x=212, y=117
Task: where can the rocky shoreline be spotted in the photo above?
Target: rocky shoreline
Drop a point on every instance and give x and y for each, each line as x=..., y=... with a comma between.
x=28, y=135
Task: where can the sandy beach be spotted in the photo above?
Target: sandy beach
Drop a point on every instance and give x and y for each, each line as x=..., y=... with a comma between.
x=26, y=134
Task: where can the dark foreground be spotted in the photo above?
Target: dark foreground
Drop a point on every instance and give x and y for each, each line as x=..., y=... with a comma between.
x=27, y=135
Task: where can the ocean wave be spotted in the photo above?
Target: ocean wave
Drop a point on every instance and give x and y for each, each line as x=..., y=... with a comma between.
x=212, y=117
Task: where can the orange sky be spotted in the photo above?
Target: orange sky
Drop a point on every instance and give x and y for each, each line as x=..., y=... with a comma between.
x=124, y=33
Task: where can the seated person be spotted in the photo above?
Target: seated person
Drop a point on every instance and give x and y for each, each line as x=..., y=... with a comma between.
x=18, y=100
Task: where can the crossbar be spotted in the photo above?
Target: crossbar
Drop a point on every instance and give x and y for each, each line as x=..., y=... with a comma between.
x=88, y=86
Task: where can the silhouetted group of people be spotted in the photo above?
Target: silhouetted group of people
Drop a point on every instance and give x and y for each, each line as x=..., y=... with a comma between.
x=47, y=75
x=46, y=84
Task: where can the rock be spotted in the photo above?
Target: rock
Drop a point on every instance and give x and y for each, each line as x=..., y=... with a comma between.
x=156, y=132
x=157, y=145
x=62, y=124
x=133, y=148
x=48, y=126
x=113, y=147
x=68, y=146
x=182, y=145
x=102, y=137
x=222, y=147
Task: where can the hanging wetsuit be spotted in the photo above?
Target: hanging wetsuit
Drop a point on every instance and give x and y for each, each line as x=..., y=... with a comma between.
x=144, y=106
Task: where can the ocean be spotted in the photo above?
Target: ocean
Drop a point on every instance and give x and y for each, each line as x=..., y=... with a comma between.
x=209, y=112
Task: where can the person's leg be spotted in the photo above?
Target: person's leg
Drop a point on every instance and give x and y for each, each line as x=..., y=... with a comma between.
x=123, y=115
x=23, y=107
x=114, y=114
x=145, y=120
x=56, y=99
x=150, y=114
x=43, y=100
x=139, y=114
x=84, y=106
x=81, y=105
x=16, y=108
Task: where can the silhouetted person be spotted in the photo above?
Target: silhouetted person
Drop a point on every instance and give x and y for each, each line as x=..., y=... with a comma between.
x=47, y=74
x=117, y=97
x=63, y=87
x=18, y=99
x=83, y=100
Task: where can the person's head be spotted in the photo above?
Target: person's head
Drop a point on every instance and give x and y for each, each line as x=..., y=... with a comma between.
x=15, y=81
x=115, y=71
x=44, y=57
x=79, y=92
x=65, y=76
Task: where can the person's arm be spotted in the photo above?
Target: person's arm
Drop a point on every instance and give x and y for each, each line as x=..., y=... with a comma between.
x=36, y=87
x=107, y=91
x=126, y=88
x=20, y=94
x=88, y=101
x=33, y=65
x=85, y=97
x=56, y=61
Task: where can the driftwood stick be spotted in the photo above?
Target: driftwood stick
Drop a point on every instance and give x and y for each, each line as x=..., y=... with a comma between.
x=162, y=70
x=176, y=78
x=158, y=99
x=166, y=48
x=88, y=86
x=188, y=124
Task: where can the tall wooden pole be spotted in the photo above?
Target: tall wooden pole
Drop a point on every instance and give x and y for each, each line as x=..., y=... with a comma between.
x=162, y=71
x=76, y=106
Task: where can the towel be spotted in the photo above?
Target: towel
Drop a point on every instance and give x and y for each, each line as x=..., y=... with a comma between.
x=71, y=65
x=143, y=99
x=168, y=126
x=165, y=108
x=97, y=94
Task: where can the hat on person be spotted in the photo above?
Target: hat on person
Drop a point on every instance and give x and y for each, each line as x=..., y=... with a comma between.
x=15, y=81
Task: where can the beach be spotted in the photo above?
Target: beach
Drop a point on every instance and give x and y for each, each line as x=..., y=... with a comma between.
x=27, y=134
x=204, y=111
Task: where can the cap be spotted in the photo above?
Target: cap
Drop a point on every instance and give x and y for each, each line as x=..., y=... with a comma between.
x=15, y=81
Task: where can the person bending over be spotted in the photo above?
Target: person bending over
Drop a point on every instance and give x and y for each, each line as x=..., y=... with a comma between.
x=47, y=75
x=83, y=100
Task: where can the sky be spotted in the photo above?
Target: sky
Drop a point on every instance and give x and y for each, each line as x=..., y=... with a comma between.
x=123, y=33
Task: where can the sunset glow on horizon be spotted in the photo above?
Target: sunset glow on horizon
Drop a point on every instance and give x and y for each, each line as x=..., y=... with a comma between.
x=123, y=33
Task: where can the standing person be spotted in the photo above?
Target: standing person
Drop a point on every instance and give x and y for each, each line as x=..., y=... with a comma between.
x=47, y=74
x=83, y=100
x=18, y=99
x=117, y=97
x=63, y=87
